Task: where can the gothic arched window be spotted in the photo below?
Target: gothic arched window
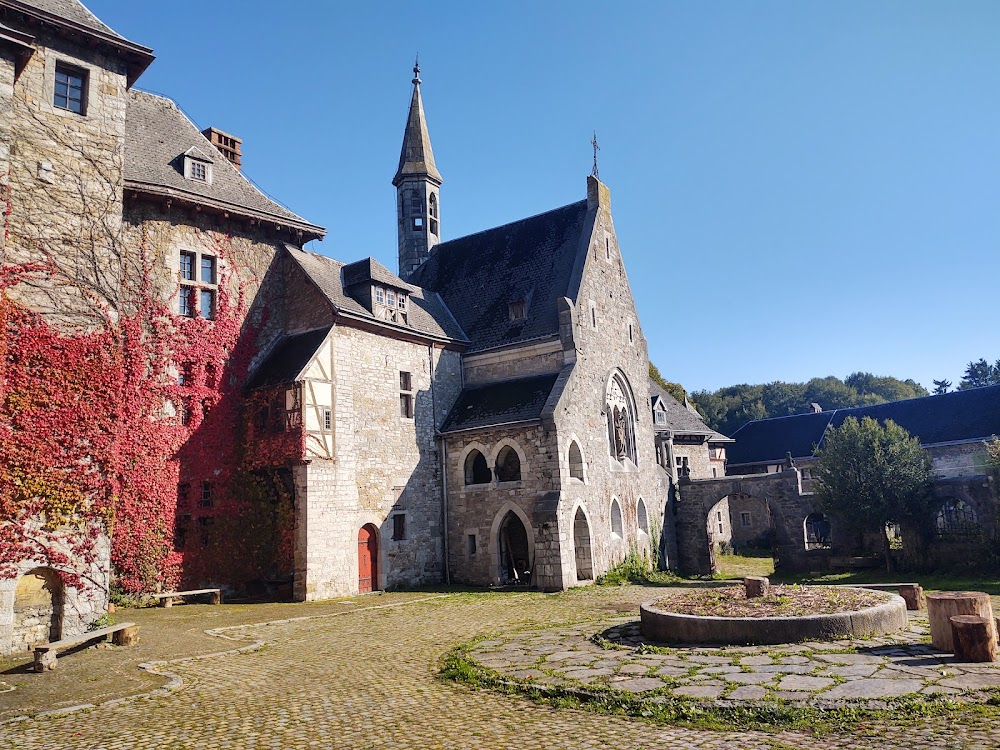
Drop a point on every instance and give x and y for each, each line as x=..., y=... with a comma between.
x=620, y=415
x=508, y=465
x=477, y=471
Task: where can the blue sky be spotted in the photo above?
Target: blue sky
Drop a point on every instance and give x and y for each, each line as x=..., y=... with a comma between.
x=799, y=188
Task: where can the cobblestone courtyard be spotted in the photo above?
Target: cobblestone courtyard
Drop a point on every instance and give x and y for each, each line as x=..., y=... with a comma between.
x=360, y=674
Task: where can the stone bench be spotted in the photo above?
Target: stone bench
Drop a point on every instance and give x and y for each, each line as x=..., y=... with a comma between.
x=167, y=599
x=123, y=634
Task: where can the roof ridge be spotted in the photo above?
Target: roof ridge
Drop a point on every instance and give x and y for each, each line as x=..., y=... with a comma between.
x=503, y=226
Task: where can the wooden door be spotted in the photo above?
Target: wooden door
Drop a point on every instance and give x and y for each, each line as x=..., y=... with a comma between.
x=367, y=559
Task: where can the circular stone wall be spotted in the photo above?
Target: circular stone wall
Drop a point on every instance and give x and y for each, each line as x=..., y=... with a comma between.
x=671, y=627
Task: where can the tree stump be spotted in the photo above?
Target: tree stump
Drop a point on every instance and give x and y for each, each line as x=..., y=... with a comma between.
x=913, y=595
x=166, y=601
x=756, y=586
x=944, y=605
x=126, y=636
x=974, y=639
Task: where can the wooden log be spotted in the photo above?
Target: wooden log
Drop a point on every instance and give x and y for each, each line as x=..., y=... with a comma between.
x=973, y=638
x=756, y=586
x=126, y=636
x=942, y=606
x=216, y=597
x=913, y=595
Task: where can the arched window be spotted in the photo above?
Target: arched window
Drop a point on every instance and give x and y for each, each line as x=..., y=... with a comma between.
x=957, y=520
x=643, y=518
x=617, y=527
x=575, y=461
x=434, y=205
x=476, y=469
x=508, y=465
x=620, y=415
x=817, y=531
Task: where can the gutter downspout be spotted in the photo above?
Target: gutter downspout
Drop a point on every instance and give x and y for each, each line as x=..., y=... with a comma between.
x=443, y=452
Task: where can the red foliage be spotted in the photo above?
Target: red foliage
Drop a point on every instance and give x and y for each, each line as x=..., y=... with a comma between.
x=87, y=431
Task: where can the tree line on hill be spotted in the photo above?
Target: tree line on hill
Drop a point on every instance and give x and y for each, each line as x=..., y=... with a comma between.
x=727, y=409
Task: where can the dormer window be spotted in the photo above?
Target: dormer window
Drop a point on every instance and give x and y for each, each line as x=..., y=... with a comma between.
x=517, y=311
x=197, y=166
x=389, y=304
x=660, y=416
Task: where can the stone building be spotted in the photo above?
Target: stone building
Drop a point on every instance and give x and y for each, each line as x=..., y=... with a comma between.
x=483, y=415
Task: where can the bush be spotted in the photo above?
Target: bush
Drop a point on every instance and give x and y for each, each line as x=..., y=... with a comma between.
x=635, y=568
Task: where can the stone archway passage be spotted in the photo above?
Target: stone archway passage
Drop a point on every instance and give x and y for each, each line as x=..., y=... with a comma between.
x=581, y=547
x=514, y=553
x=37, y=608
x=367, y=559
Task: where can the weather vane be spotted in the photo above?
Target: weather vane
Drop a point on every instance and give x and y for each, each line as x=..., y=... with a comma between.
x=597, y=148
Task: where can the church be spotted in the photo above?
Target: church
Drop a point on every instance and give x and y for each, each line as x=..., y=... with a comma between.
x=250, y=414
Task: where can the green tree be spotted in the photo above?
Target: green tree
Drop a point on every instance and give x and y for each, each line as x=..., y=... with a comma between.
x=941, y=387
x=674, y=389
x=870, y=476
x=979, y=374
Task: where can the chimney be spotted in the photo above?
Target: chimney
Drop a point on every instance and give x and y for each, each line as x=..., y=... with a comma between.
x=228, y=144
x=816, y=408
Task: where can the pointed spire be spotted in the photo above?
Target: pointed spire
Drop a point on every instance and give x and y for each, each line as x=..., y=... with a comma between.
x=416, y=157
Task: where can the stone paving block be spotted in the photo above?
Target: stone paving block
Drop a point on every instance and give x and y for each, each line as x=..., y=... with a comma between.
x=785, y=668
x=669, y=671
x=972, y=681
x=639, y=685
x=850, y=658
x=753, y=661
x=794, y=660
x=707, y=692
x=787, y=695
x=853, y=670
x=795, y=682
x=730, y=669
x=587, y=675
x=633, y=669
x=750, y=678
x=869, y=688
x=705, y=659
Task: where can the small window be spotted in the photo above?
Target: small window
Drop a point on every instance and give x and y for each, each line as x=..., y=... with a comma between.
x=328, y=419
x=187, y=266
x=746, y=520
x=185, y=301
x=398, y=527
x=183, y=494
x=205, y=526
x=184, y=375
x=472, y=545
x=198, y=171
x=718, y=515
x=607, y=247
x=207, y=304
x=418, y=223
x=205, y=501
x=390, y=298
x=207, y=269
x=401, y=301
x=518, y=310
x=380, y=295
x=406, y=405
x=631, y=338
x=617, y=527
x=660, y=416
x=70, y=89
x=593, y=316
x=405, y=381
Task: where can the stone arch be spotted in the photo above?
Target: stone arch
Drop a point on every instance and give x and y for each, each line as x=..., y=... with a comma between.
x=617, y=519
x=642, y=516
x=957, y=520
x=816, y=531
x=377, y=522
x=38, y=608
x=497, y=452
x=509, y=508
x=468, y=461
x=575, y=460
x=583, y=551
x=619, y=410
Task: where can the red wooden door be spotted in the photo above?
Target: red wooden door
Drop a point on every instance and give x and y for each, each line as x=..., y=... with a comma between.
x=367, y=559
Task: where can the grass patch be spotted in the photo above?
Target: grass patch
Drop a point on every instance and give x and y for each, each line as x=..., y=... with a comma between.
x=748, y=563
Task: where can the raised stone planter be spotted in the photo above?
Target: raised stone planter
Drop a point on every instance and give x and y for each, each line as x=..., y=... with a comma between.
x=671, y=627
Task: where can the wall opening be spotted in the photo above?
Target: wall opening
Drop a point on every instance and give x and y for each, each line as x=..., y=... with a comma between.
x=38, y=605
x=817, y=531
x=641, y=516
x=956, y=520
x=581, y=547
x=617, y=526
x=575, y=461
x=476, y=469
x=508, y=465
x=515, y=555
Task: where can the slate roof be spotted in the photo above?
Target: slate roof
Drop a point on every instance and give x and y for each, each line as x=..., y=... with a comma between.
x=532, y=259
x=959, y=416
x=72, y=15
x=500, y=403
x=157, y=134
x=427, y=313
x=680, y=419
x=416, y=156
x=288, y=358
x=370, y=270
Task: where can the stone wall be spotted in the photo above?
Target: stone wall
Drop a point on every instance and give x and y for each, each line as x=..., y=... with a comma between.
x=385, y=465
x=699, y=461
x=30, y=597
x=517, y=362
x=961, y=460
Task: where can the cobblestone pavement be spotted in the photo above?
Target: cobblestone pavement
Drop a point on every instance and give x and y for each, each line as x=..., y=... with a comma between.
x=890, y=666
x=364, y=678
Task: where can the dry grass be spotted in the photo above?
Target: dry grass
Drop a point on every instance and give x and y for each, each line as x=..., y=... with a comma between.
x=783, y=601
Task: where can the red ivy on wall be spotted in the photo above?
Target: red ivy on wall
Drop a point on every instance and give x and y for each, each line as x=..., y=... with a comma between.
x=98, y=425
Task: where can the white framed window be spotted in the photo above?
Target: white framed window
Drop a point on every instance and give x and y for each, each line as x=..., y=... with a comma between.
x=390, y=298
x=517, y=310
x=405, y=395
x=327, y=419
x=380, y=295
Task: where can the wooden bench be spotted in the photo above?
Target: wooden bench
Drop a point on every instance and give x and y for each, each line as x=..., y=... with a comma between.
x=167, y=598
x=123, y=634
